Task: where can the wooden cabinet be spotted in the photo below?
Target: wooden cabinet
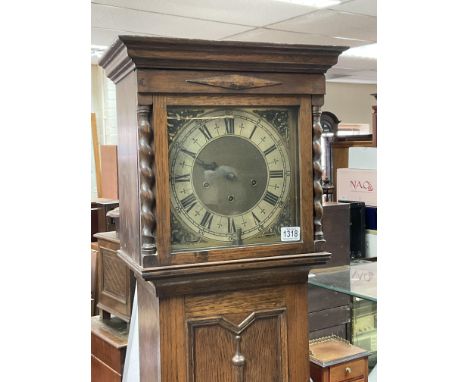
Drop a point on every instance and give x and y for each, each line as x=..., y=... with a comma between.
x=99, y=209
x=108, y=348
x=334, y=360
x=344, y=372
x=116, y=283
x=336, y=221
x=330, y=312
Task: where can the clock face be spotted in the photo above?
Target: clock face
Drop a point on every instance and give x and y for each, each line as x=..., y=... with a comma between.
x=231, y=176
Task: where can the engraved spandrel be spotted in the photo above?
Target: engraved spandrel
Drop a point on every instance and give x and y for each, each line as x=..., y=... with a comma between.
x=279, y=119
x=175, y=120
x=181, y=235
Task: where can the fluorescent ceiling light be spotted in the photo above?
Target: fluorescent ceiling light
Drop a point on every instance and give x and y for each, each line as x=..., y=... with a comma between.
x=365, y=51
x=313, y=3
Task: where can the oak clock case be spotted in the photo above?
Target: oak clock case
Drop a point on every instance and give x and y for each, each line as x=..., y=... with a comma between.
x=233, y=175
x=219, y=148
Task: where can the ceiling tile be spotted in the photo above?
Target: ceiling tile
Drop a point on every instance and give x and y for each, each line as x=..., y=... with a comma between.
x=243, y=12
x=340, y=73
x=334, y=24
x=105, y=37
x=282, y=37
x=349, y=24
x=334, y=71
x=363, y=7
x=358, y=63
x=138, y=22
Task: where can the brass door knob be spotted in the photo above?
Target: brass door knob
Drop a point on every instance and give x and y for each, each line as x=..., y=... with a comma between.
x=348, y=370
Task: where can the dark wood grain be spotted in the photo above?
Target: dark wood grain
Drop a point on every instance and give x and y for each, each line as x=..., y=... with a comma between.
x=306, y=168
x=214, y=348
x=296, y=298
x=232, y=281
x=134, y=52
x=229, y=303
x=163, y=202
x=233, y=81
x=101, y=206
x=335, y=225
x=147, y=180
x=149, y=332
x=108, y=349
x=129, y=192
x=113, y=281
x=256, y=316
x=349, y=370
x=329, y=317
x=108, y=353
x=94, y=222
x=100, y=372
x=321, y=298
x=116, y=283
x=174, y=345
x=176, y=81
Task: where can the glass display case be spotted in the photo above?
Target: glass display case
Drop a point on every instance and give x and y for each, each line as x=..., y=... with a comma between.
x=358, y=280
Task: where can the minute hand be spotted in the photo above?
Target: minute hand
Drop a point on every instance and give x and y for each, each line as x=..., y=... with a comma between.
x=207, y=166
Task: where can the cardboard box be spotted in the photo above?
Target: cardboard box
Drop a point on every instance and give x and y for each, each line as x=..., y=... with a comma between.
x=357, y=185
x=109, y=174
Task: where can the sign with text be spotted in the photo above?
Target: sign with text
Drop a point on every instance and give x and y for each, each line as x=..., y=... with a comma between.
x=357, y=185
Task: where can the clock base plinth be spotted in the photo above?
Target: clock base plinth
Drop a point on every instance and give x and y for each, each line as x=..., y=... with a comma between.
x=200, y=328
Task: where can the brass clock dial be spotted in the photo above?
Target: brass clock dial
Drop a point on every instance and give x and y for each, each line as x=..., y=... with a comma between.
x=230, y=176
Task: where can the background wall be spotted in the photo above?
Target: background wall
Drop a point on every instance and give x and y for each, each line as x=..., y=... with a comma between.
x=351, y=103
x=103, y=104
x=362, y=157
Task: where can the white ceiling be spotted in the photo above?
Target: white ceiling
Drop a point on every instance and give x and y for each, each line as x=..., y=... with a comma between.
x=352, y=23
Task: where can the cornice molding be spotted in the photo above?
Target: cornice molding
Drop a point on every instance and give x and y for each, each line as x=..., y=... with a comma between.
x=135, y=52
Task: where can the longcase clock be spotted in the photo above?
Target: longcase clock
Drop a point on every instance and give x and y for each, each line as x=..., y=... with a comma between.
x=220, y=202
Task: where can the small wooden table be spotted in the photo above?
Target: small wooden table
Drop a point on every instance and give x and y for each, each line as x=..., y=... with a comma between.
x=108, y=348
x=333, y=359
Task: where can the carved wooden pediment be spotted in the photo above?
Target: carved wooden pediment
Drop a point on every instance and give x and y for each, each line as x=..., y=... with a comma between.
x=235, y=81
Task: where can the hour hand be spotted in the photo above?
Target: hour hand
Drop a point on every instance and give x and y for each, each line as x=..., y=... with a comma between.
x=207, y=166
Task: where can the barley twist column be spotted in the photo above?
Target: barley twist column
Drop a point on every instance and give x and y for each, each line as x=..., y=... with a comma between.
x=147, y=181
x=319, y=239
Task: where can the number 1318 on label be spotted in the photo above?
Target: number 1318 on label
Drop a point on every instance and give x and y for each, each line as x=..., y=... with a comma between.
x=290, y=233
